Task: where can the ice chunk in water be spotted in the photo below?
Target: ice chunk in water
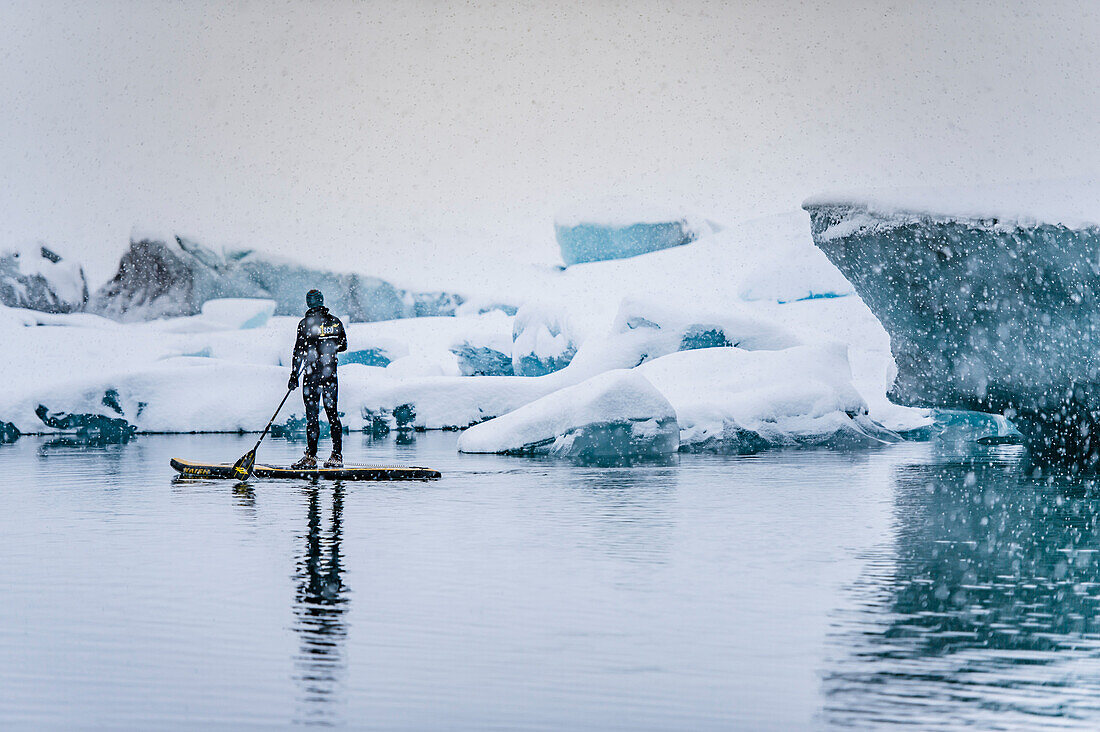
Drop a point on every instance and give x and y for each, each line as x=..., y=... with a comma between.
x=731, y=400
x=617, y=415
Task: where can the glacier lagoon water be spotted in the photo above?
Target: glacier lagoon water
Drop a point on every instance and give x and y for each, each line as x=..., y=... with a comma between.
x=935, y=585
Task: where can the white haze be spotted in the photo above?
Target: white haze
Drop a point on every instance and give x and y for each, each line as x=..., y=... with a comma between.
x=360, y=133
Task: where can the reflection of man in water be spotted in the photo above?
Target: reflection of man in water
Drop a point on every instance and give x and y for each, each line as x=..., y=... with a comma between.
x=320, y=337
x=319, y=606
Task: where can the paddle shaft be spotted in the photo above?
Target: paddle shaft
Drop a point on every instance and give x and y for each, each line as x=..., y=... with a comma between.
x=272, y=420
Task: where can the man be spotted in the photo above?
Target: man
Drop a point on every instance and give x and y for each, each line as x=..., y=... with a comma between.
x=320, y=338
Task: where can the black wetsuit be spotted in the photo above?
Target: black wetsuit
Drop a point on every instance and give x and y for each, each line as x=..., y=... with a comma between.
x=320, y=337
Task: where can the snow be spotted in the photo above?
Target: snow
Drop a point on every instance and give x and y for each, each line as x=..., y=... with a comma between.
x=242, y=313
x=622, y=211
x=1073, y=203
x=614, y=414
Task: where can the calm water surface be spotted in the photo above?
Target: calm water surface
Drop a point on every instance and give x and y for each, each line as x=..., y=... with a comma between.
x=784, y=591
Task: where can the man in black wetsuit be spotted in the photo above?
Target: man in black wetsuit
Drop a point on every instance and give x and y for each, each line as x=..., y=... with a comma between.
x=320, y=337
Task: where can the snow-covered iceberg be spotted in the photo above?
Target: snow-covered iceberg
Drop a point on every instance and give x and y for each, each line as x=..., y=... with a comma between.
x=725, y=400
x=991, y=299
x=37, y=278
x=611, y=417
x=616, y=228
x=731, y=400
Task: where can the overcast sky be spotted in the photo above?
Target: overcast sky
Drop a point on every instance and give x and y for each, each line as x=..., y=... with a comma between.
x=338, y=129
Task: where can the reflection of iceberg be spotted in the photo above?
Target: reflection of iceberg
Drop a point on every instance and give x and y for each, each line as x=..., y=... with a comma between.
x=985, y=603
x=990, y=299
x=616, y=415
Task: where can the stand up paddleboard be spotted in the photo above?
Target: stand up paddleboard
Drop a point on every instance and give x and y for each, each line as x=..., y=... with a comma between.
x=225, y=471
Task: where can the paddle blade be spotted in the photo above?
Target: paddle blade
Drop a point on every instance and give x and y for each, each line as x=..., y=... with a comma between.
x=243, y=467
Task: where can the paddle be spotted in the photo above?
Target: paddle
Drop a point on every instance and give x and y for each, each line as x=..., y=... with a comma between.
x=243, y=467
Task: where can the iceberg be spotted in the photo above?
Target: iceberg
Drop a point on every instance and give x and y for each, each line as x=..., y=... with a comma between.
x=36, y=278
x=991, y=299
x=616, y=416
x=166, y=275
x=163, y=277
x=730, y=400
x=616, y=228
x=359, y=298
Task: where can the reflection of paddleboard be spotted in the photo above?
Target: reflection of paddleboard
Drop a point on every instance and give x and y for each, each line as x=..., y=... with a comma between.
x=224, y=471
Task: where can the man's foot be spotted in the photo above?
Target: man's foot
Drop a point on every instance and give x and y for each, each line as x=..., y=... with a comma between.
x=308, y=462
x=335, y=460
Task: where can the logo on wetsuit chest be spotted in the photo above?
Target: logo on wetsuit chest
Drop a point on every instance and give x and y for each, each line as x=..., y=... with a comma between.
x=324, y=331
